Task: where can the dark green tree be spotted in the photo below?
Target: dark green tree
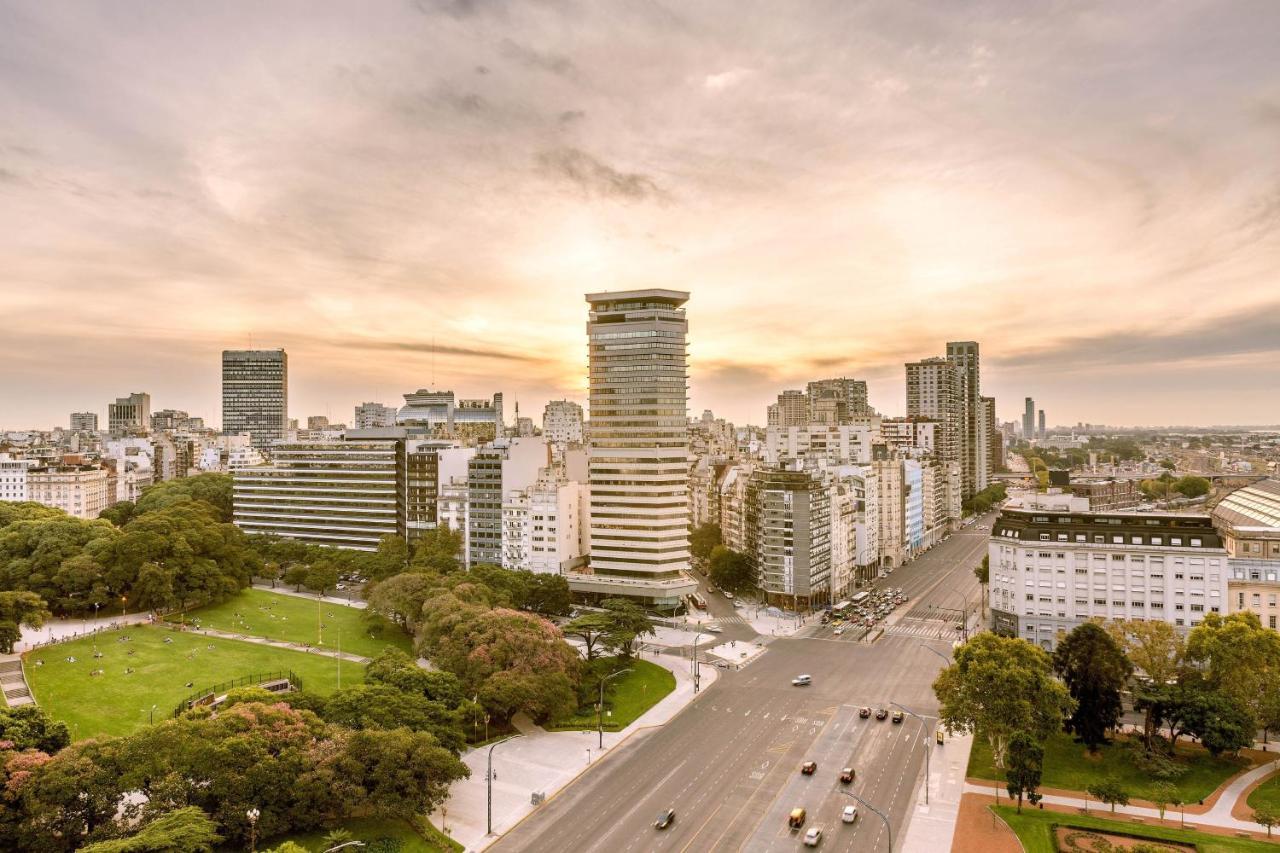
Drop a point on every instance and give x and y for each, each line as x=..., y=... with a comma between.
x=17, y=610
x=211, y=489
x=549, y=594
x=30, y=727
x=703, y=539
x=1110, y=791
x=1094, y=668
x=187, y=829
x=731, y=570
x=1024, y=761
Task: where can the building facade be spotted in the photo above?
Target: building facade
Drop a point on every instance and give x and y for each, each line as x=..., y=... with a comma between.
x=129, y=415
x=255, y=394
x=788, y=536
x=975, y=467
x=1052, y=570
x=13, y=478
x=78, y=490
x=84, y=421
x=1249, y=522
x=638, y=447
x=373, y=415
x=562, y=423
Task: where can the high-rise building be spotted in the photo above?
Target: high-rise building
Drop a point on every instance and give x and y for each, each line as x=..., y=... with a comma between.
x=169, y=419
x=788, y=533
x=995, y=439
x=255, y=394
x=84, y=421
x=498, y=469
x=129, y=415
x=1040, y=432
x=1029, y=420
x=975, y=467
x=933, y=392
x=638, y=445
x=848, y=397
x=317, y=422
x=372, y=415
x=792, y=409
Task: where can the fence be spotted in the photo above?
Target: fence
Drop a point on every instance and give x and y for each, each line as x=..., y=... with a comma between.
x=206, y=696
x=76, y=635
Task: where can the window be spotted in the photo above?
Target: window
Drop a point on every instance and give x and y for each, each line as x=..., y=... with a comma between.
x=1117, y=603
x=1044, y=537
x=1271, y=622
x=1117, y=540
x=1195, y=542
x=1175, y=540
x=1118, y=558
x=1197, y=608
x=1080, y=537
x=1157, y=540
x=1135, y=540
x=1101, y=602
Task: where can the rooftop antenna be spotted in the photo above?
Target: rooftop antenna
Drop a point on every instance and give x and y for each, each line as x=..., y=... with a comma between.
x=433, y=361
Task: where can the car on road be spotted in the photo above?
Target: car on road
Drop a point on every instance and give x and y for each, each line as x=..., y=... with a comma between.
x=795, y=820
x=897, y=716
x=864, y=712
x=713, y=629
x=665, y=818
x=809, y=768
x=839, y=630
x=728, y=595
x=850, y=814
x=813, y=837
x=846, y=775
x=881, y=713
x=802, y=681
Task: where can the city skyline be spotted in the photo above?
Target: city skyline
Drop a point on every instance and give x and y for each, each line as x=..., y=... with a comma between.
x=419, y=195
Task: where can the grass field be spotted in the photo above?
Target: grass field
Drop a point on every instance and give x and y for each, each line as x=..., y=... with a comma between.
x=1068, y=765
x=633, y=694
x=258, y=613
x=116, y=703
x=369, y=830
x=1267, y=794
x=1035, y=829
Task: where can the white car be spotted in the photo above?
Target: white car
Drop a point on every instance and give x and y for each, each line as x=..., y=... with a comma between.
x=838, y=631
x=850, y=814
x=713, y=629
x=813, y=837
x=802, y=681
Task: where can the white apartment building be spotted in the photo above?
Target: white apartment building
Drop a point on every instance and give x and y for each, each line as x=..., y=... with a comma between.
x=78, y=490
x=1051, y=570
x=639, y=448
x=84, y=421
x=371, y=415
x=13, y=478
x=562, y=423
x=733, y=501
x=823, y=444
x=543, y=529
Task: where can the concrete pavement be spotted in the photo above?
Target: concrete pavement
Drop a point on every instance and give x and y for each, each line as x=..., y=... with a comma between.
x=932, y=825
x=546, y=762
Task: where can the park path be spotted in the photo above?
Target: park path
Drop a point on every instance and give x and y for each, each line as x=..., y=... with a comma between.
x=327, y=599
x=278, y=644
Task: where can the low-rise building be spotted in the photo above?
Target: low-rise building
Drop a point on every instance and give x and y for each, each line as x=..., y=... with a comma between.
x=1249, y=521
x=78, y=490
x=1053, y=569
x=13, y=478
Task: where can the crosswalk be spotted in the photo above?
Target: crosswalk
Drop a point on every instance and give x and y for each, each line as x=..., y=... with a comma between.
x=730, y=620
x=922, y=628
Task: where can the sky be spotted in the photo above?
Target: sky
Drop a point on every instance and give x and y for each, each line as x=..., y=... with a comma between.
x=418, y=194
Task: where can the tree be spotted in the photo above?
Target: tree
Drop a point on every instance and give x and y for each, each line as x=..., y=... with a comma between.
x=703, y=540
x=322, y=576
x=213, y=490
x=400, y=598
x=731, y=570
x=394, y=667
x=592, y=628
x=188, y=829
x=437, y=550
x=296, y=576
x=1192, y=486
x=118, y=513
x=549, y=594
x=20, y=609
x=999, y=686
x=334, y=837
x=982, y=572
x=1109, y=791
x=1266, y=817
x=1156, y=651
x=153, y=589
x=1240, y=658
x=29, y=727
x=1095, y=670
x=1023, y=763
x=627, y=622
x=1218, y=720
x=1163, y=794
x=383, y=706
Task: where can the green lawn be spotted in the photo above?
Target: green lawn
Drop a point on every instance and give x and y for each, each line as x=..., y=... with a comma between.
x=369, y=830
x=1068, y=765
x=1035, y=829
x=1267, y=794
x=116, y=703
x=258, y=613
x=632, y=695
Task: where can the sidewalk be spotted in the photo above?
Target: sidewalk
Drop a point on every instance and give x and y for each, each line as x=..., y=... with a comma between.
x=69, y=629
x=932, y=827
x=328, y=599
x=545, y=762
x=279, y=644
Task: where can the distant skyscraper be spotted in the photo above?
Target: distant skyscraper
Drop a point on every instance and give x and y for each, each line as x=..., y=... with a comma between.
x=317, y=422
x=1029, y=420
x=995, y=439
x=1041, y=431
x=255, y=394
x=639, y=447
x=975, y=467
x=849, y=394
x=130, y=414
x=792, y=409
x=84, y=421
x=369, y=415
x=562, y=422
x=933, y=391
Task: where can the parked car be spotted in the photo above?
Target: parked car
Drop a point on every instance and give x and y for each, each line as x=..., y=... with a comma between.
x=665, y=818
x=809, y=768
x=846, y=775
x=850, y=814
x=813, y=837
x=881, y=713
x=897, y=716
x=864, y=712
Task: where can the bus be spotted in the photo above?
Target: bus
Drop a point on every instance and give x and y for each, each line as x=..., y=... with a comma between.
x=699, y=602
x=840, y=608
x=861, y=597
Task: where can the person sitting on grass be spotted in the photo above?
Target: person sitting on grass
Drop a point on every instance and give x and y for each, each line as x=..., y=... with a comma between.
x=71, y=658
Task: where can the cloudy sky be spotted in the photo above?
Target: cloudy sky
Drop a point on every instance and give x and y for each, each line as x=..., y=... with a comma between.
x=1091, y=190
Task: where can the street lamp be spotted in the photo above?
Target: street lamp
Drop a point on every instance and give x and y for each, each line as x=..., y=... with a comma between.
x=489, y=783
x=881, y=814
x=153, y=715
x=697, y=669
x=600, y=704
x=924, y=730
x=936, y=652
x=253, y=814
